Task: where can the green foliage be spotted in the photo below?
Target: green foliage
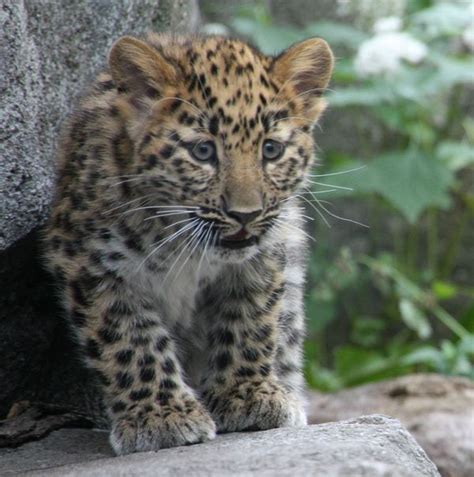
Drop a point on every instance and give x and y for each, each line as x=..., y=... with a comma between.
x=377, y=346
x=410, y=181
x=398, y=306
x=442, y=19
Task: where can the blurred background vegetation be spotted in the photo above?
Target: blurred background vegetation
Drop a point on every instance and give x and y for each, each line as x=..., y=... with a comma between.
x=395, y=153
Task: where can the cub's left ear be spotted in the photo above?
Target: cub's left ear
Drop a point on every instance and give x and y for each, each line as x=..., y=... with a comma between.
x=307, y=67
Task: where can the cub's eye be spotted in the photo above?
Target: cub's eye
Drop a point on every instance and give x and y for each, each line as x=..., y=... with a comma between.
x=203, y=151
x=272, y=150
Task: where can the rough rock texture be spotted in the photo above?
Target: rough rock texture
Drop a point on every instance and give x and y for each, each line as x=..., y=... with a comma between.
x=367, y=446
x=437, y=410
x=49, y=50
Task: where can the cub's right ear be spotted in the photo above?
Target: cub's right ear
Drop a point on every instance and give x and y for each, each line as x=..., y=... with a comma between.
x=139, y=68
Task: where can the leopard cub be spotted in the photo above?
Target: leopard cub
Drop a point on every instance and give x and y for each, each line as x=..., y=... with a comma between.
x=176, y=234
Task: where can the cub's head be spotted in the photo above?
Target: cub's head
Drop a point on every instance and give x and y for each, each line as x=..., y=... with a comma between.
x=219, y=129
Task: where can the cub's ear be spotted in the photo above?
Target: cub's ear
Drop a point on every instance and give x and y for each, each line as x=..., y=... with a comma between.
x=307, y=67
x=139, y=67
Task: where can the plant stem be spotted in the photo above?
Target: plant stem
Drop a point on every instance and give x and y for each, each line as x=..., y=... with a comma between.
x=417, y=295
x=450, y=322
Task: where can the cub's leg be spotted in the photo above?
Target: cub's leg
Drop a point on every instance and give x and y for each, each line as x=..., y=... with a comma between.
x=149, y=404
x=241, y=386
x=291, y=326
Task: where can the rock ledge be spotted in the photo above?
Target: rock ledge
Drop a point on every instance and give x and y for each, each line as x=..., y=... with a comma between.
x=367, y=446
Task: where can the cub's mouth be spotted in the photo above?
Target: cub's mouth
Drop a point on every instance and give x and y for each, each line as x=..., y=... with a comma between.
x=241, y=239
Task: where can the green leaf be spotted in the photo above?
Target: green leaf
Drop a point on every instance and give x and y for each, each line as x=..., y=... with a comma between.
x=356, y=365
x=410, y=181
x=273, y=40
x=467, y=345
x=451, y=70
x=258, y=12
x=368, y=95
x=427, y=355
x=467, y=318
x=443, y=18
x=444, y=290
x=336, y=33
x=367, y=331
x=456, y=155
x=270, y=39
x=245, y=26
x=344, y=72
x=322, y=378
x=414, y=318
x=468, y=125
x=351, y=360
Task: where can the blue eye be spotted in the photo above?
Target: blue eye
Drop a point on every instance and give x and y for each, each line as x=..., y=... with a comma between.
x=204, y=151
x=272, y=150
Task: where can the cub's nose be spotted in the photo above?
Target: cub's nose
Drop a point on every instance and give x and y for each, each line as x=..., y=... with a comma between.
x=243, y=217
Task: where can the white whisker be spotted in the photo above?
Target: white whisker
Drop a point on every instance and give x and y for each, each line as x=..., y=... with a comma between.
x=314, y=207
x=173, y=207
x=337, y=173
x=330, y=185
x=206, y=240
x=186, y=244
x=293, y=227
x=340, y=218
x=168, y=214
x=334, y=215
x=196, y=242
x=319, y=191
x=166, y=240
x=179, y=222
x=127, y=203
x=135, y=179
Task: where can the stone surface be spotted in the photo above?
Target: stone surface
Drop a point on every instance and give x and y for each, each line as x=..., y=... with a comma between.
x=367, y=446
x=49, y=51
x=437, y=410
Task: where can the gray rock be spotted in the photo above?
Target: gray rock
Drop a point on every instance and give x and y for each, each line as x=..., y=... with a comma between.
x=367, y=446
x=437, y=410
x=49, y=51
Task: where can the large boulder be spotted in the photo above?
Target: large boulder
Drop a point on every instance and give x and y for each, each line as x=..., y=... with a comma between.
x=374, y=446
x=49, y=52
x=437, y=410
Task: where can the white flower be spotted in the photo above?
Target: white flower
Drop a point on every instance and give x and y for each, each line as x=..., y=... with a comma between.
x=384, y=52
x=387, y=24
x=468, y=37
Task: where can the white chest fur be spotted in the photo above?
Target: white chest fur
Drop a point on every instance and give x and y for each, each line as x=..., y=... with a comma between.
x=173, y=290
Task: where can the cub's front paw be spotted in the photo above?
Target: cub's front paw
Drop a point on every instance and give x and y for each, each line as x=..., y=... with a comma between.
x=255, y=406
x=175, y=424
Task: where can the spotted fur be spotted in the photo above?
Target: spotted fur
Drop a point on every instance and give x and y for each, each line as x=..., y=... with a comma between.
x=183, y=276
